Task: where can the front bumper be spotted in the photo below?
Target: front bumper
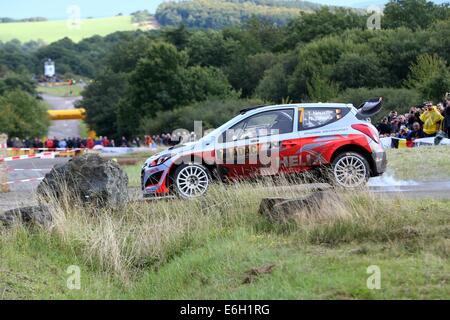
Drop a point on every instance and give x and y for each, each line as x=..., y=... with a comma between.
x=380, y=163
x=153, y=180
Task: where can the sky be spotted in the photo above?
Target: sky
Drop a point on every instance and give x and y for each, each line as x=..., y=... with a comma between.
x=57, y=9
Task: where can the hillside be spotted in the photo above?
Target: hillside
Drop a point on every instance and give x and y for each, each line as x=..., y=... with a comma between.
x=221, y=13
x=50, y=31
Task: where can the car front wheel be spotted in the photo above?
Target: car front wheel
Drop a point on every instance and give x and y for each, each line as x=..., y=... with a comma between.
x=191, y=180
x=350, y=170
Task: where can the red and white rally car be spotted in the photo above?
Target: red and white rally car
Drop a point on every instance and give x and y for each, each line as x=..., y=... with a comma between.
x=273, y=140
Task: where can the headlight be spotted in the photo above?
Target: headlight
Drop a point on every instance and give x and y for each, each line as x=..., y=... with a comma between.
x=160, y=160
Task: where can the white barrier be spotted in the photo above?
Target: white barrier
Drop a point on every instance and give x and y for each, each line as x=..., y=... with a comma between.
x=44, y=155
x=386, y=142
x=21, y=181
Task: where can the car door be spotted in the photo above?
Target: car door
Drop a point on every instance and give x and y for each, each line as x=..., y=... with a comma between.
x=317, y=131
x=250, y=147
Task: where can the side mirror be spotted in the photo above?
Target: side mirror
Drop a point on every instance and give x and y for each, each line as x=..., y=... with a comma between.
x=369, y=108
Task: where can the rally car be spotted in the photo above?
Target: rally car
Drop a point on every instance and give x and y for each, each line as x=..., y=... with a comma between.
x=273, y=140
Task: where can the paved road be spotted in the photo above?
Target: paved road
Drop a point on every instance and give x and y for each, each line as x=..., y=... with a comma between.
x=23, y=193
x=63, y=128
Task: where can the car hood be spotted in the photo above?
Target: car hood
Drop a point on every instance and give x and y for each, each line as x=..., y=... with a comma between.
x=178, y=150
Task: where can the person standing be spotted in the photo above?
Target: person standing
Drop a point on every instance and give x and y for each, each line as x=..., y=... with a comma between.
x=446, y=124
x=431, y=119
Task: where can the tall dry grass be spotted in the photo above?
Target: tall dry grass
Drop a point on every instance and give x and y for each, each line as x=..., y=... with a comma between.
x=148, y=234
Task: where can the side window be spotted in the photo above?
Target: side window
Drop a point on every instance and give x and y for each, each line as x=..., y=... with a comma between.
x=311, y=118
x=262, y=124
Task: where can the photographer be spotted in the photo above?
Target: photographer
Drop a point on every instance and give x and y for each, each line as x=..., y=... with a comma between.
x=431, y=119
x=414, y=116
x=384, y=128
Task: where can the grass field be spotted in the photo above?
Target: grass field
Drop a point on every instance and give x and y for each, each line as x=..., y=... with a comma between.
x=421, y=164
x=50, y=31
x=206, y=248
x=62, y=91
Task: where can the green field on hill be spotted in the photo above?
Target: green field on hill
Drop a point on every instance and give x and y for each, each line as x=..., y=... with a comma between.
x=50, y=31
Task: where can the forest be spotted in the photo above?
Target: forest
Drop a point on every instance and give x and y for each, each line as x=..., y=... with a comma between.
x=217, y=14
x=157, y=81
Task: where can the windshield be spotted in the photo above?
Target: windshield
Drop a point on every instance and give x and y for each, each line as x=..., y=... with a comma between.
x=217, y=132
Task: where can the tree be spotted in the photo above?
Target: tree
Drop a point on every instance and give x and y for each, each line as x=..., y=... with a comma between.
x=430, y=76
x=310, y=26
x=210, y=48
x=13, y=81
x=355, y=70
x=23, y=115
x=125, y=55
x=162, y=81
x=320, y=89
x=157, y=83
x=274, y=84
x=204, y=82
x=179, y=37
x=413, y=14
x=101, y=101
x=245, y=74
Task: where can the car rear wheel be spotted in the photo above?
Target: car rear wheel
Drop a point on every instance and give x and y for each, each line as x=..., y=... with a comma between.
x=191, y=180
x=350, y=170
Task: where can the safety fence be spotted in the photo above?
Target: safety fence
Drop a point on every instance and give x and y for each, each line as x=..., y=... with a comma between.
x=399, y=143
x=61, y=152
x=43, y=155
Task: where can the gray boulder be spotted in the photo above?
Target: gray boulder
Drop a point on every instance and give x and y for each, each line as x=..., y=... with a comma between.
x=36, y=215
x=89, y=179
x=283, y=209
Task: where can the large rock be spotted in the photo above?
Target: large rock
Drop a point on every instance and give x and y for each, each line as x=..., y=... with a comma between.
x=283, y=209
x=37, y=215
x=90, y=179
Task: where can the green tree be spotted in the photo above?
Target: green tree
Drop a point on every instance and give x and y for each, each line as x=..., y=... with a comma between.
x=354, y=70
x=274, y=84
x=162, y=81
x=320, y=89
x=101, y=101
x=179, y=37
x=413, y=14
x=430, y=76
x=12, y=81
x=204, y=82
x=323, y=22
x=210, y=48
x=23, y=115
x=157, y=83
x=244, y=74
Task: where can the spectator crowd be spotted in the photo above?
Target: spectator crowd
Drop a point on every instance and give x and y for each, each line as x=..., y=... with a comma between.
x=90, y=143
x=426, y=120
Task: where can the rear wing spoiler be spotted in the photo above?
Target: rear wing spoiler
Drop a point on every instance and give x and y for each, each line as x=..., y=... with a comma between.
x=369, y=108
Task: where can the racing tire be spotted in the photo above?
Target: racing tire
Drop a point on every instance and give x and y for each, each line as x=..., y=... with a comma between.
x=350, y=170
x=191, y=180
